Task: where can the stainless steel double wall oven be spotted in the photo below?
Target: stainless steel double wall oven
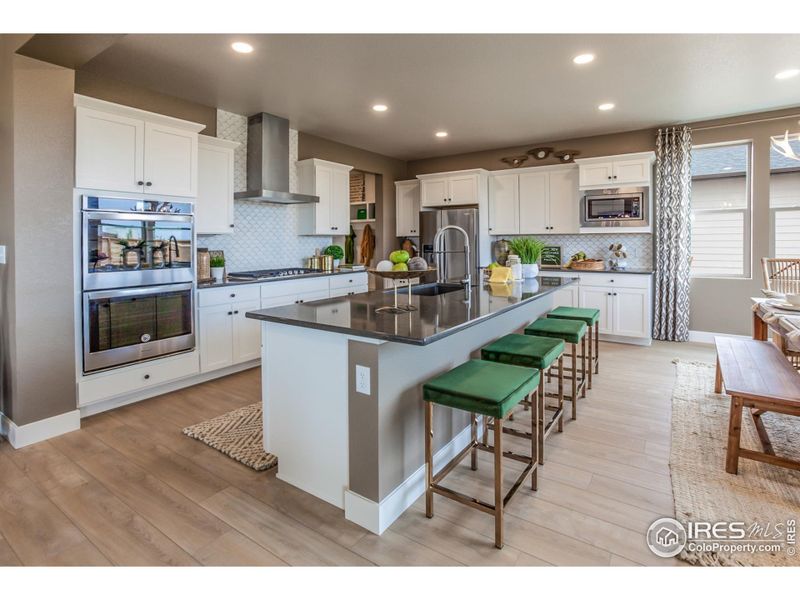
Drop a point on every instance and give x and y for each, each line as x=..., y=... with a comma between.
x=138, y=280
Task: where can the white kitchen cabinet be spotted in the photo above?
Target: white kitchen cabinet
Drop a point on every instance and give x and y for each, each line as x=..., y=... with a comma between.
x=109, y=150
x=213, y=208
x=331, y=182
x=538, y=200
x=215, y=337
x=246, y=340
x=504, y=205
x=457, y=188
x=407, y=208
x=567, y=296
x=123, y=149
x=602, y=299
x=615, y=171
x=631, y=316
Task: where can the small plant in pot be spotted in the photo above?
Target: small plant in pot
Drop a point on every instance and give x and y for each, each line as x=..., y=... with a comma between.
x=529, y=251
x=336, y=252
x=218, y=268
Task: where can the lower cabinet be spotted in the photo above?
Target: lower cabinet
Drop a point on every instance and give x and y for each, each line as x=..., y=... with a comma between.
x=227, y=337
x=602, y=299
x=567, y=296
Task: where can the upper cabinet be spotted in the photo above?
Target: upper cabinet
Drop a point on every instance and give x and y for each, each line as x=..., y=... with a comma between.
x=537, y=200
x=331, y=182
x=213, y=210
x=407, y=208
x=457, y=188
x=616, y=171
x=123, y=149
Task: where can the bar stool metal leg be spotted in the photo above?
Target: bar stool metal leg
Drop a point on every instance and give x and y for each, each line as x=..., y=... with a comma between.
x=498, y=483
x=561, y=392
x=473, y=424
x=540, y=424
x=574, y=357
x=429, y=460
x=591, y=364
x=583, y=366
x=597, y=347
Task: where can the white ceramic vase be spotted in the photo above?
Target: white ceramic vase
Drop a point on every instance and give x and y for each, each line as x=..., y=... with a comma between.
x=218, y=273
x=530, y=271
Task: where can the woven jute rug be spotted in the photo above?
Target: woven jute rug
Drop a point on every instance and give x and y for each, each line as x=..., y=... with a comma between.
x=238, y=434
x=760, y=493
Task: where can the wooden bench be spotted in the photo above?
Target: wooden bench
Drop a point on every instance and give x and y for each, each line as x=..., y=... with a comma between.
x=756, y=376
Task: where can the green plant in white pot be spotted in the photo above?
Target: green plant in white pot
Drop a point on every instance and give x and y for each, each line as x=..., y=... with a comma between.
x=218, y=268
x=529, y=250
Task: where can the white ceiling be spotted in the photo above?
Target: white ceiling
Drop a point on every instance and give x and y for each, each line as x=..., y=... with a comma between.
x=487, y=91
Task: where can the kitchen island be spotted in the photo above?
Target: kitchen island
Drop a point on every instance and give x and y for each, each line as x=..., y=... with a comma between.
x=342, y=387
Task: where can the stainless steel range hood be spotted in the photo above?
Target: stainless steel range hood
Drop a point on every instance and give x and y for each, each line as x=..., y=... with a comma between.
x=268, y=162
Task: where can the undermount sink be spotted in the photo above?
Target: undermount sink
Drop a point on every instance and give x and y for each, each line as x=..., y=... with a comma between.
x=436, y=289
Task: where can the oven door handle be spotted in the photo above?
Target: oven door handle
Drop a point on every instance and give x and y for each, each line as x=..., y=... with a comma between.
x=139, y=291
x=136, y=216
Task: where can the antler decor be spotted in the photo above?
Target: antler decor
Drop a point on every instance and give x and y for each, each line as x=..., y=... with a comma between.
x=566, y=156
x=515, y=161
x=541, y=153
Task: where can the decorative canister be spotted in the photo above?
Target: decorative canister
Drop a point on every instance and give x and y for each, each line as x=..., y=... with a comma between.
x=326, y=262
x=203, y=264
x=515, y=265
x=314, y=262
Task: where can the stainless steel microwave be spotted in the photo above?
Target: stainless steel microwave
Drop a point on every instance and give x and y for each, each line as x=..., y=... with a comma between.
x=620, y=207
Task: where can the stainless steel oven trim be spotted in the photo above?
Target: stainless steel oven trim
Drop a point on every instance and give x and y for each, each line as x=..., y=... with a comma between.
x=616, y=222
x=119, y=279
x=184, y=203
x=118, y=357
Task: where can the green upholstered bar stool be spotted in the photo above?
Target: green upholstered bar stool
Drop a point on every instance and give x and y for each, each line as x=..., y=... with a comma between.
x=590, y=316
x=538, y=353
x=491, y=389
x=573, y=333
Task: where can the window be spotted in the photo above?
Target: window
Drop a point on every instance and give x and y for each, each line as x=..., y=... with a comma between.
x=784, y=203
x=721, y=211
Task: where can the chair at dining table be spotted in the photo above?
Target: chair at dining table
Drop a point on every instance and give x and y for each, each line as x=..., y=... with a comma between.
x=782, y=276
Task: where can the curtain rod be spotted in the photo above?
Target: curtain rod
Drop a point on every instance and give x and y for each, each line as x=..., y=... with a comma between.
x=763, y=120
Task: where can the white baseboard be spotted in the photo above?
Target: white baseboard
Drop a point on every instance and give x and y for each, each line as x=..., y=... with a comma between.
x=707, y=337
x=87, y=410
x=377, y=517
x=20, y=436
x=621, y=339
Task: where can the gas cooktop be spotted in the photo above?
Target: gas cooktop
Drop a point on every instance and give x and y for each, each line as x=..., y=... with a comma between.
x=269, y=274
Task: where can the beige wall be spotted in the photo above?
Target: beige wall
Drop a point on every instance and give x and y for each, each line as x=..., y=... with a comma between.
x=43, y=339
x=390, y=169
x=113, y=90
x=718, y=305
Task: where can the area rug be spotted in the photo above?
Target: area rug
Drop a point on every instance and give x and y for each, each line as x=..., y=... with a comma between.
x=238, y=434
x=760, y=493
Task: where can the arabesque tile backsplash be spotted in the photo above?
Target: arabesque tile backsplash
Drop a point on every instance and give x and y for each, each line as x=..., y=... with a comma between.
x=265, y=235
x=639, y=246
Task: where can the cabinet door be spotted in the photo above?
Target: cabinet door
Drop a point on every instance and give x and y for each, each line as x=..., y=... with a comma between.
x=170, y=161
x=503, y=204
x=216, y=337
x=568, y=296
x=311, y=296
x=246, y=333
x=407, y=209
x=602, y=299
x=533, y=193
x=433, y=192
x=631, y=171
x=631, y=312
x=109, y=151
x=564, y=203
x=462, y=189
x=340, y=202
x=213, y=209
x=323, y=184
x=596, y=174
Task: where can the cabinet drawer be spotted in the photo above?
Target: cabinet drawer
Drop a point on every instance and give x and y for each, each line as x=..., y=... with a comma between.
x=131, y=379
x=620, y=280
x=348, y=291
x=228, y=294
x=294, y=287
x=347, y=281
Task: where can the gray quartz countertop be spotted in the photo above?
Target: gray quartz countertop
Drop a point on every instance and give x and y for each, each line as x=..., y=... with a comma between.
x=206, y=286
x=635, y=271
x=436, y=316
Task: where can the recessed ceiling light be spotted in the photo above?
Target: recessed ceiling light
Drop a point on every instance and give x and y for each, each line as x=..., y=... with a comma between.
x=583, y=59
x=787, y=74
x=441, y=134
x=242, y=47
x=606, y=106
x=380, y=107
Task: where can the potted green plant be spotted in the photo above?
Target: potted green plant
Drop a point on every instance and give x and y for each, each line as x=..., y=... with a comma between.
x=529, y=250
x=218, y=268
x=336, y=252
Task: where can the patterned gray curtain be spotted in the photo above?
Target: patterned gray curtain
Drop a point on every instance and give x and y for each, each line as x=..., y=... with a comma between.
x=673, y=213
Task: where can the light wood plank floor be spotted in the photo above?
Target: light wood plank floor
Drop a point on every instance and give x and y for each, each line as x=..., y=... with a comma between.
x=130, y=489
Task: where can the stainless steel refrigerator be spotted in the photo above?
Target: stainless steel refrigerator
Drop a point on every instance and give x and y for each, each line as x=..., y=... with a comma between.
x=451, y=265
